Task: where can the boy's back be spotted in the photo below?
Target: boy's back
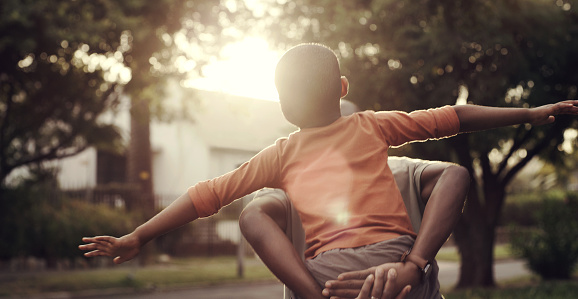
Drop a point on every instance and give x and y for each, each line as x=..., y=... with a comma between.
x=336, y=176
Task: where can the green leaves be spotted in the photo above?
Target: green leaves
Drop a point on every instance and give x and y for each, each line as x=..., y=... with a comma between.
x=551, y=248
x=62, y=64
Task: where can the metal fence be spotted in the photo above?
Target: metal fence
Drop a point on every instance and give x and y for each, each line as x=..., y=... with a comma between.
x=212, y=236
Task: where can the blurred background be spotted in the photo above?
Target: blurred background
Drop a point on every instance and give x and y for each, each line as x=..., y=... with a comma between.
x=110, y=109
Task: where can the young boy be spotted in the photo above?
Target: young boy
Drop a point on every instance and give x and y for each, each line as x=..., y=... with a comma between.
x=272, y=226
x=332, y=168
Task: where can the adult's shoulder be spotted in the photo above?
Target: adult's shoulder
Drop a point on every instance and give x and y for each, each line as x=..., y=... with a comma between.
x=406, y=164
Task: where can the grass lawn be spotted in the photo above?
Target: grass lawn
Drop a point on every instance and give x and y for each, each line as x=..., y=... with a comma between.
x=537, y=290
x=523, y=287
x=177, y=273
x=450, y=253
x=212, y=271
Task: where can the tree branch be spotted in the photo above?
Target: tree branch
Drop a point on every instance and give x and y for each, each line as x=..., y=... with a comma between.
x=516, y=146
x=544, y=143
x=4, y=121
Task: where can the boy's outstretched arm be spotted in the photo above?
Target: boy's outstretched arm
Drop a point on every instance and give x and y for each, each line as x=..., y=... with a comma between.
x=477, y=118
x=125, y=248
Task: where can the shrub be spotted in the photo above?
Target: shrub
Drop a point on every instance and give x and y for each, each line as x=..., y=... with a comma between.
x=36, y=220
x=519, y=213
x=551, y=248
x=521, y=208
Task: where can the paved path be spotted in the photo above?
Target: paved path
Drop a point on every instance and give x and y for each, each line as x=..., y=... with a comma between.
x=448, y=278
x=503, y=270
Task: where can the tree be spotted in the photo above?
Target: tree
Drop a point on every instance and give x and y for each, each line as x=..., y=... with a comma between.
x=50, y=99
x=409, y=55
x=155, y=55
x=64, y=63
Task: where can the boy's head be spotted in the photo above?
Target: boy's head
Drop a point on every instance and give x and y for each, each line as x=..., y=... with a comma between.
x=309, y=84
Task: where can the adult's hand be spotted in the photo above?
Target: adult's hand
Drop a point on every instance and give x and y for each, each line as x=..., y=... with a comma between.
x=382, y=289
x=374, y=280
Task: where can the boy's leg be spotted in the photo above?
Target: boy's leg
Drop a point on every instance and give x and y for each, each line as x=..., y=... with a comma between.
x=265, y=223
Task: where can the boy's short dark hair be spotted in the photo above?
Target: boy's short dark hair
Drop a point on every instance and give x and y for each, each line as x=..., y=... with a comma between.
x=309, y=74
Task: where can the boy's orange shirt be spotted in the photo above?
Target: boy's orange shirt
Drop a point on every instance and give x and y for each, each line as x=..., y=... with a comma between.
x=336, y=176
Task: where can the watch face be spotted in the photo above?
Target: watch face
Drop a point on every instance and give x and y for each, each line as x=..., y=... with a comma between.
x=426, y=268
x=426, y=271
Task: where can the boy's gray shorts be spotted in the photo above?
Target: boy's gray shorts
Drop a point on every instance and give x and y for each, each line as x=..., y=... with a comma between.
x=328, y=265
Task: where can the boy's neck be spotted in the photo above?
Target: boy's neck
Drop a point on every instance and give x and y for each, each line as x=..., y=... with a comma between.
x=321, y=121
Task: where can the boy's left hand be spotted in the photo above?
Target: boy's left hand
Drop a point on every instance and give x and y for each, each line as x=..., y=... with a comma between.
x=545, y=114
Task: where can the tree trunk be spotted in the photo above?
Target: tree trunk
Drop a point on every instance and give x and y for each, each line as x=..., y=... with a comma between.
x=475, y=240
x=139, y=166
x=475, y=232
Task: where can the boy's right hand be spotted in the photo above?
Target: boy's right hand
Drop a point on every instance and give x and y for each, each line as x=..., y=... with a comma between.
x=121, y=249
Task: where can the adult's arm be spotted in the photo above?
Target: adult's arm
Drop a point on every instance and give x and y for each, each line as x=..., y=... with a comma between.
x=443, y=188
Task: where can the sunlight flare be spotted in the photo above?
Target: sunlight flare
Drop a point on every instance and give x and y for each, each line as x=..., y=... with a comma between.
x=246, y=69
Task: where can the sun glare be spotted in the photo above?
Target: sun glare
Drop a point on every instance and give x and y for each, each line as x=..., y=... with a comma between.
x=246, y=69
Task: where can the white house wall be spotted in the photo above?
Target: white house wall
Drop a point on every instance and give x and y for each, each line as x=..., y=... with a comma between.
x=225, y=160
x=221, y=132
x=180, y=159
x=78, y=171
x=227, y=121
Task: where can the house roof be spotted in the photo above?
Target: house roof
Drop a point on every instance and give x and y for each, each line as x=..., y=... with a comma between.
x=230, y=121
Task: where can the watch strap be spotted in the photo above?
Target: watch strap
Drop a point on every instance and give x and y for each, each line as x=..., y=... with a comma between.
x=422, y=264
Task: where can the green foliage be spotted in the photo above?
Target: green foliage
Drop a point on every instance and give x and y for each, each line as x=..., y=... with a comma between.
x=522, y=209
x=36, y=220
x=64, y=63
x=551, y=248
x=50, y=100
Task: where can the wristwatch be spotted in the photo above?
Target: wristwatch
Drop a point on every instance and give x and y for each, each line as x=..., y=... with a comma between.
x=423, y=264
